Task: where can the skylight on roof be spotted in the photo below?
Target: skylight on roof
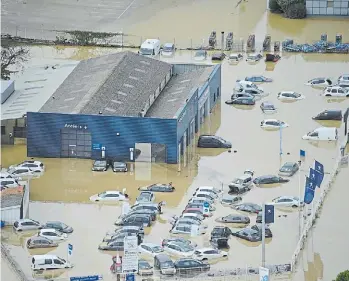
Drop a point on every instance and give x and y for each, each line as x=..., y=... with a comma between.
x=110, y=109
x=116, y=101
x=128, y=85
x=140, y=70
x=133, y=77
x=185, y=81
x=121, y=93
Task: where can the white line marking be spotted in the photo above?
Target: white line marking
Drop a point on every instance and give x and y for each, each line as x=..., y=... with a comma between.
x=129, y=6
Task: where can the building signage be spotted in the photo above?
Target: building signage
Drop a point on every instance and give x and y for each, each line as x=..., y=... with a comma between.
x=75, y=126
x=263, y=274
x=203, y=97
x=130, y=260
x=96, y=146
x=87, y=278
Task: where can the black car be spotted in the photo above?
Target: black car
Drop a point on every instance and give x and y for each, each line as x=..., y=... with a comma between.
x=119, y=166
x=249, y=208
x=236, y=218
x=218, y=56
x=288, y=169
x=269, y=179
x=242, y=101
x=152, y=213
x=248, y=234
x=209, y=141
x=220, y=236
x=60, y=226
x=144, y=220
x=189, y=265
x=258, y=227
x=240, y=95
x=158, y=187
x=100, y=165
x=329, y=115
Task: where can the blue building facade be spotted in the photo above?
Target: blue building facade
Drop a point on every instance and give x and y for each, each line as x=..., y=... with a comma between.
x=122, y=138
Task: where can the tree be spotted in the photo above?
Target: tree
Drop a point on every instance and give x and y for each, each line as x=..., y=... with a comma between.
x=343, y=276
x=12, y=56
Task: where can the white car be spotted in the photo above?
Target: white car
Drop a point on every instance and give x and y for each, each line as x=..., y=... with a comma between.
x=273, y=124
x=17, y=172
x=319, y=82
x=287, y=201
x=343, y=79
x=35, y=166
x=290, y=96
x=110, y=195
x=235, y=58
x=6, y=175
x=206, y=195
x=188, y=229
x=198, y=217
x=200, y=200
x=208, y=189
x=150, y=249
x=205, y=254
x=336, y=91
x=52, y=234
x=205, y=190
x=254, y=57
x=9, y=182
x=179, y=249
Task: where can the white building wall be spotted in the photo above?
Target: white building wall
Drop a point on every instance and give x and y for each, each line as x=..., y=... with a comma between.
x=11, y=214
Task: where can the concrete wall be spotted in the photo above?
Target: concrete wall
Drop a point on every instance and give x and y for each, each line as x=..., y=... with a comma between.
x=10, y=214
x=328, y=8
x=7, y=131
x=117, y=134
x=7, y=89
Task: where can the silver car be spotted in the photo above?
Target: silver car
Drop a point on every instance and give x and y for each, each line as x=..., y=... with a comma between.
x=27, y=224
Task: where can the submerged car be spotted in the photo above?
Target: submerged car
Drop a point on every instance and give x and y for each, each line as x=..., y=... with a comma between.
x=230, y=200
x=40, y=242
x=249, y=208
x=234, y=218
x=288, y=169
x=52, y=234
x=119, y=166
x=258, y=227
x=220, y=236
x=290, y=96
x=158, y=187
x=268, y=107
x=145, y=197
x=254, y=57
x=114, y=245
x=210, y=141
x=273, y=124
x=26, y=224
x=200, y=55
x=60, y=226
x=287, y=201
x=188, y=229
x=258, y=79
x=150, y=249
x=248, y=234
x=242, y=101
x=168, y=49
x=218, y=56
x=178, y=240
x=109, y=195
x=319, y=82
x=144, y=268
x=241, y=95
x=336, y=91
x=100, y=165
x=235, y=58
x=33, y=165
x=329, y=115
x=269, y=179
x=241, y=184
x=205, y=254
x=189, y=265
x=179, y=249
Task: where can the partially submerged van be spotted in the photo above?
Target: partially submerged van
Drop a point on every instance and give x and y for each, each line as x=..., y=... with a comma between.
x=42, y=262
x=322, y=134
x=150, y=48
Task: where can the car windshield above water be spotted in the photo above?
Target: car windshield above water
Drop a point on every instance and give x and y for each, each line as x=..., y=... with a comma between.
x=167, y=264
x=102, y=194
x=168, y=47
x=100, y=163
x=200, y=53
x=146, y=51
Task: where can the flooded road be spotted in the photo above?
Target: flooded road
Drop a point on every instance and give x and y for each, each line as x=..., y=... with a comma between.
x=70, y=180
x=6, y=271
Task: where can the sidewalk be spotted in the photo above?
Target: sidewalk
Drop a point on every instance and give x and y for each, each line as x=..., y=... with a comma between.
x=6, y=271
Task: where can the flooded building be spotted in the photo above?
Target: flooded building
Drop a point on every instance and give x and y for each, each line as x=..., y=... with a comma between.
x=328, y=8
x=14, y=204
x=126, y=107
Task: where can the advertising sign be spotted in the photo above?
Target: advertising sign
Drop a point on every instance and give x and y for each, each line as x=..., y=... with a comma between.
x=130, y=260
x=206, y=208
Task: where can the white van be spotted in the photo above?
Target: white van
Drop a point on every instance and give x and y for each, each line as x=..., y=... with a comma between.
x=323, y=133
x=42, y=262
x=150, y=47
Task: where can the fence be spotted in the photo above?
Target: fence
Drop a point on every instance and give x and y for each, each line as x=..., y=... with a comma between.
x=315, y=212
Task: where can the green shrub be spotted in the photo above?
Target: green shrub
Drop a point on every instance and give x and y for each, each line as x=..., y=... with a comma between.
x=274, y=6
x=343, y=276
x=296, y=11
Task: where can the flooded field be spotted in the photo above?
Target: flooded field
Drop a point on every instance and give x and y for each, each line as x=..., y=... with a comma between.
x=70, y=180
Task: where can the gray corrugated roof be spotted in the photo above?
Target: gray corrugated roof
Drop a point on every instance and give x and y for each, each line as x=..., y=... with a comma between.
x=117, y=84
x=11, y=200
x=177, y=91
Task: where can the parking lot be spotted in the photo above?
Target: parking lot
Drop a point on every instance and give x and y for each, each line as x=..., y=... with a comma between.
x=70, y=180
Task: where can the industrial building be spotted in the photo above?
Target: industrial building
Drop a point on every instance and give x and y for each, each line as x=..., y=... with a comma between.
x=126, y=107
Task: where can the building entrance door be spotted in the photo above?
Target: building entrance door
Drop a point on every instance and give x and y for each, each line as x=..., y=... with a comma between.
x=72, y=151
x=75, y=143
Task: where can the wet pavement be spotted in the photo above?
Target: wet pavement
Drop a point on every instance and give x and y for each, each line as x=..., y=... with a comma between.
x=71, y=180
x=7, y=272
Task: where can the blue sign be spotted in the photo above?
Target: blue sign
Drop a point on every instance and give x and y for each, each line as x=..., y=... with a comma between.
x=70, y=249
x=96, y=146
x=206, y=205
x=130, y=277
x=86, y=278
